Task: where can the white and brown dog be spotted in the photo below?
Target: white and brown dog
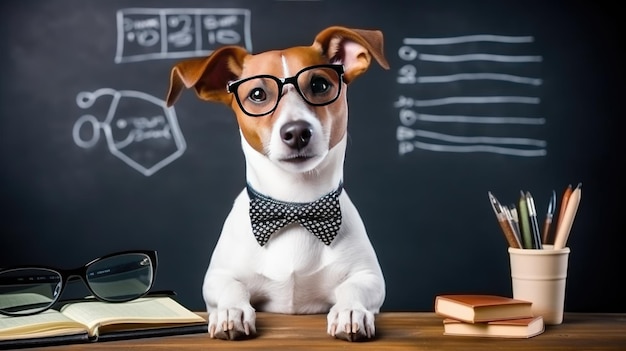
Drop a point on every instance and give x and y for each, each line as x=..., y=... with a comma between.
x=293, y=242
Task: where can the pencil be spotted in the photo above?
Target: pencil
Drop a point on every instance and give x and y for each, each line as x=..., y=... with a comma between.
x=505, y=223
x=566, y=194
x=565, y=226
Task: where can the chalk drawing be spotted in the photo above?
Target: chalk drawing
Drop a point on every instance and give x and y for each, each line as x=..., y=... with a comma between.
x=139, y=128
x=444, y=78
x=152, y=33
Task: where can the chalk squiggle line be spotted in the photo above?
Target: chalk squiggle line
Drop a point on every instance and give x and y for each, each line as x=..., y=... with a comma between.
x=425, y=117
x=469, y=38
x=479, y=76
x=404, y=133
x=408, y=147
x=479, y=57
x=476, y=100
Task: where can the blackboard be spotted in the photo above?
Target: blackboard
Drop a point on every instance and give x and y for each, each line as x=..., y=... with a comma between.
x=481, y=96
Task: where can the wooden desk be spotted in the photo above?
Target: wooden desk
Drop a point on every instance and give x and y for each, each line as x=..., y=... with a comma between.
x=394, y=331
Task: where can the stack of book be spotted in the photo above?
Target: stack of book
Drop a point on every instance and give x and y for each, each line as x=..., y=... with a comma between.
x=487, y=316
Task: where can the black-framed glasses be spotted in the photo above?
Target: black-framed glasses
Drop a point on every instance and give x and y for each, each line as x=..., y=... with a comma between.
x=259, y=95
x=118, y=277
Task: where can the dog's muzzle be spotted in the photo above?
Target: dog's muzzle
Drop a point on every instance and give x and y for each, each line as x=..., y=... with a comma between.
x=296, y=134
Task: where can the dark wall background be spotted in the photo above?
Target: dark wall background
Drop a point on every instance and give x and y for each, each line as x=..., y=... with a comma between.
x=139, y=176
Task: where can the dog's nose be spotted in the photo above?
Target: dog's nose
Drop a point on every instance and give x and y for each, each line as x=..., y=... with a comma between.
x=296, y=134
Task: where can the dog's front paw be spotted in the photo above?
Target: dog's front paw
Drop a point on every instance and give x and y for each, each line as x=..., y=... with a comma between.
x=232, y=323
x=353, y=324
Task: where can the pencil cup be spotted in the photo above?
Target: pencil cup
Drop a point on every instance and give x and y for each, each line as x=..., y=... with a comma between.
x=538, y=276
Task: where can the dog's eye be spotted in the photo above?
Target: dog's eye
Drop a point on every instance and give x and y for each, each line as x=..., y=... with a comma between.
x=319, y=85
x=257, y=95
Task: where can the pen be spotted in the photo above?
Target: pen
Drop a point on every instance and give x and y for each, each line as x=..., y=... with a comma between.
x=549, y=216
x=564, y=200
x=534, y=225
x=565, y=225
x=524, y=221
x=505, y=224
x=513, y=223
x=513, y=212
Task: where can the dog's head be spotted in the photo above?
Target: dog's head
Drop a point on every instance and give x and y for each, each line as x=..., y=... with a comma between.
x=290, y=104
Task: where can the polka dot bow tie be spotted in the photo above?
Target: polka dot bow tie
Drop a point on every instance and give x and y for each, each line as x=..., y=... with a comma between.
x=321, y=217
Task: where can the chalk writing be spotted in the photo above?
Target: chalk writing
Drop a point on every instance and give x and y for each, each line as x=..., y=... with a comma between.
x=149, y=33
x=139, y=129
x=477, y=84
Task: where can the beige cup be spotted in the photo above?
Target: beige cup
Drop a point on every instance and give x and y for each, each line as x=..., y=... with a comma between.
x=539, y=276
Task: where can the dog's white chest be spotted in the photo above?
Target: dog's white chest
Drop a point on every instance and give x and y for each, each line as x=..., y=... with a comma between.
x=291, y=250
x=295, y=272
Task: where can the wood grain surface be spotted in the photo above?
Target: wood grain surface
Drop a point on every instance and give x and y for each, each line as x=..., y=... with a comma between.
x=395, y=331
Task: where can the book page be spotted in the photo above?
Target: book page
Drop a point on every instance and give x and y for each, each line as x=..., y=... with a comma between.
x=47, y=323
x=155, y=310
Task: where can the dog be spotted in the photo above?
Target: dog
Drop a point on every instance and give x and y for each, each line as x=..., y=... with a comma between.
x=292, y=112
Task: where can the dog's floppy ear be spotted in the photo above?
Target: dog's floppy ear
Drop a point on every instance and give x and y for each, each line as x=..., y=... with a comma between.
x=354, y=48
x=207, y=75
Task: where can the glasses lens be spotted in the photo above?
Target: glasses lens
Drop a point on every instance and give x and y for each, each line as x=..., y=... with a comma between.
x=28, y=290
x=121, y=278
x=319, y=85
x=258, y=96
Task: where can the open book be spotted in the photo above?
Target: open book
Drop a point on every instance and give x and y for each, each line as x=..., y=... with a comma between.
x=97, y=321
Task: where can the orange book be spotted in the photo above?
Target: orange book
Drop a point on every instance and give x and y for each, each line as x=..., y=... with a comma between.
x=507, y=328
x=473, y=308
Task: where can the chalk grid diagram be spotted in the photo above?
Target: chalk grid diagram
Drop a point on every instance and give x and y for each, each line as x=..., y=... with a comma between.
x=470, y=94
x=151, y=33
x=146, y=142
